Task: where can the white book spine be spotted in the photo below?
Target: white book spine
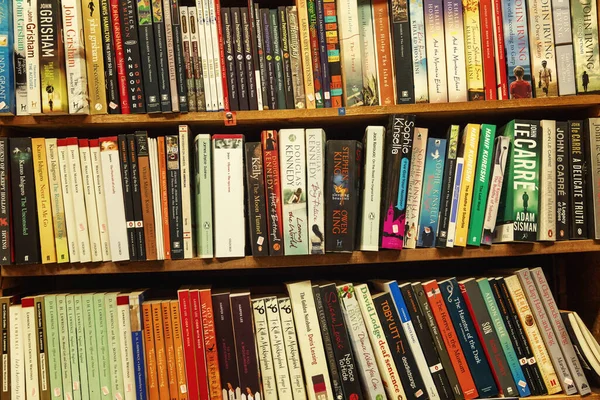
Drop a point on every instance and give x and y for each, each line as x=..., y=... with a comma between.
x=75, y=57
x=541, y=47
x=186, y=205
x=90, y=202
x=28, y=325
x=310, y=340
x=458, y=174
x=68, y=201
x=100, y=201
x=499, y=162
x=315, y=180
x=158, y=228
x=74, y=165
x=547, y=221
x=208, y=68
x=292, y=149
x=419, y=56
x=32, y=60
x=19, y=16
x=171, y=54
x=455, y=51
x=63, y=337
x=361, y=345
x=216, y=58
x=383, y=355
x=17, y=354
x=290, y=341
x=125, y=342
x=415, y=186
x=280, y=361
x=228, y=195
x=56, y=198
x=350, y=50
x=114, y=345
x=368, y=55
x=113, y=193
x=204, y=226
x=263, y=343
x=373, y=173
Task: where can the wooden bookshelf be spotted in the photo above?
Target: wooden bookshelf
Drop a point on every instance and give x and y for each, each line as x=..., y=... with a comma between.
x=357, y=257
x=595, y=395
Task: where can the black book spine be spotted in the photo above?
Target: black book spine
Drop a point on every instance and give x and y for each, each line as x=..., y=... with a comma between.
x=256, y=50
x=148, y=57
x=447, y=187
x=136, y=195
x=285, y=54
x=336, y=383
x=519, y=341
x=188, y=61
x=279, y=78
x=162, y=68
x=110, y=66
x=240, y=65
x=585, y=365
x=25, y=228
x=249, y=59
x=229, y=59
x=174, y=195
x=577, y=184
x=270, y=63
x=133, y=60
x=199, y=89
x=257, y=206
x=5, y=217
x=438, y=373
x=342, y=348
x=398, y=343
x=262, y=62
x=179, y=58
x=343, y=160
x=563, y=168
x=128, y=197
x=399, y=18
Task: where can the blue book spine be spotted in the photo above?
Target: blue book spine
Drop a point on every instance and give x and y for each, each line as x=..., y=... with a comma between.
x=460, y=163
x=394, y=290
x=7, y=71
x=321, y=35
x=516, y=43
x=469, y=341
x=138, y=358
x=507, y=348
x=431, y=194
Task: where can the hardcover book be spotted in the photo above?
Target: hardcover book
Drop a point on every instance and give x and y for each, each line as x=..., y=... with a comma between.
x=257, y=218
x=447, y=185
x=315, y=182
x=584, y=20
x=436, y=62
x=373, y=143
x=516, y=43
x=418, y=42
x=415, y=186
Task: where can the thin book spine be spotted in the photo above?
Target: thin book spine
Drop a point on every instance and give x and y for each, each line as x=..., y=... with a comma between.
x=179, y=58
x=74, y=165
x=496, y=180
x=91, y=346
x=255, y=45
x=295, y=57
x=488, y=49
x=303, y=29
x=150, y=351
x=240, y=65
x=472, y=26
x=315, y=182
x=455, y=53
x=127, y=196
x=221, y=85
x=469, y=147
x=111, y=79
x=285, y=56
x=158, y=321
x=563, y=169
x=447, y=185
x=90, y=199
x=424, y=90
x=230, y=59
x=541, y=46
x=173, y=157
x=270, y=62
x=77, y=85
x=415, y=186
x=270, y=146
x=17, y=351
x=334, y=56
x=30, y=342
x=117, y=40
x=7, y=96
x=148, y=56
x=133, y=59
x=187, y=57
x=383, y=49
x=101, y=337
x=164, y=195
x=186, y=192
x=168, y=330
x=499, y=56
x=20, y=9
x=563, y=45
x=6, y=236
x=146, y=200
x=262, y=63
x=92, y=24
x=53, y=350
x=199, y=89
x=32, y=59
x=592, y=138
x=547, y=218
x=67, y=191
x=168, y=16
x=162, y=68
x=248, y=57
x=44, y=211
x=206, y=49
x=400, y=26
x=373, y=143
x=323, y=52
x=278, y=62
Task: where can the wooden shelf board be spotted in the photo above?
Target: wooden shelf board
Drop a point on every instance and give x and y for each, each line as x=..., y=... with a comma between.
x=289, y=116
x=357, y=257
x=595, y=395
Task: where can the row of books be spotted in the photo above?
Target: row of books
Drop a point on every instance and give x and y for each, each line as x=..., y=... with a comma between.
x=477, y=338
x=123, y=56
x=137, y=198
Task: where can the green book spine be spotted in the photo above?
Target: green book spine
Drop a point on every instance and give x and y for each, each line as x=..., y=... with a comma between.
x=482, y=183
x=279, y=78
x=91, y=349
x=75, y=383
x=114, y=346
x=102, y=346
x=80, y=346
x=53, y=350
x=203, y=192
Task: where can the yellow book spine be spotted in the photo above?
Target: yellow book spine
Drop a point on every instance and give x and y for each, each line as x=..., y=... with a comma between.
x=44, y=207
x=470, y=141
x=94, y=61
x=56, y=197
x=305, y=56
x=474, y=57
x=533, y=334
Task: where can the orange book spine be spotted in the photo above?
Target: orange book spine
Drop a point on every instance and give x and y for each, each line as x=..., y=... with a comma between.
x=457, y=357
x=164, y=196
x=210, y=345
x=150, y=352
x=178, y=345
x=170, y=350
x=161, y=358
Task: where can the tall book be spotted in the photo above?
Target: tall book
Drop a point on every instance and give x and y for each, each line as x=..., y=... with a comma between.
x=263, y=344
x=541, y=46
x=295, y=57
x=499, y=54
x=563, y=168
x=186, y=183
x=257, y=224
x=230, y=59
x=169, y=17
x=278, y=62
x=292, y=352
x=383, y=51
x=350, y=48
x=7, y=96
x=486, y=18
x=431, y=193
x=547, y=201
x=240, y=65
x=585, y=39
x=20, y=15
x=563, y=46
x=160, y=43
x=397, y=160
x=315, y=183
x=42, y=192
x=270, y=146
x=447, y=185
x=140, y=241
x=187, y=56
x=400, y=27
x=280, y=361
x=188, y=328
x=203, y=196
x=108, y=54
x=94, y=61
x=225, y=344
x=133, y=59
x=292, y=150
x=91, y=345
x=88, y=188
x=56, y=199
x=436, y=62
x=315, y=50
x=320, y=37
x=128, y=195
x=119, y=54
x=577, y=182
x=179, y=58
x=245, y=339
x=519, y=211
x=150, y=350
x=418, y=42
x=473, y=51
x=496, y=181
x=228, y=195
x=331, y=18
x=468, y=148
x=305, y=54
x=147, y=203
x=516, y=48
x=168, y=331
x=342, y=192
x=248, y=57
x=373, y=144
x=199, y=90
x=75, y=176
x=148, y=56
x=415, y=186
x=32, y=60
x=173, y=157
x=210, y=344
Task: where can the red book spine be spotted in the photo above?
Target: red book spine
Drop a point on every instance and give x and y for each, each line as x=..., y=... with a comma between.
x=199, y=344
x=222, y=54
x=119, y=56
x=457, y=357
x=487, y=47
x=187, y=332
x=210, y=343
x=501, y=73
x=273, y=192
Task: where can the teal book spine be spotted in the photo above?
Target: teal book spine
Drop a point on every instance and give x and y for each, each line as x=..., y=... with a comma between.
x=482, y=183
x=91, y=348
x=75, y=383
x=103, y=358
x=203, y=194
x=431, y=192
x=53, y=350
x=80, y=347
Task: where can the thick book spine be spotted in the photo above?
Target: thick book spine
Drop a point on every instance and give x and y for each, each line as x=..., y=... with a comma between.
x=488, y=50
x=32, y=59
x=592, y=137
x=285, y=57
x=168, y=16
x=256, y=199
x=278, y=62
x=417, y=35
x=111, y=78
x=136, y=196
x=94, y=60
x=350, y=49
x=160, y=43
x=315, y=181
x=136, y=299
x=402, y=55
x=469, y=146
x=186, y=192
x=199, y=89
x=415, y=186
x=373, y=143
x=431, y=193
x=473, y=51
x=295, y=57
x=203, y=196
x=150, y=351
x=20, y=15
x=7, y=95
x=577, y=182
x=383, y=51
x=447, y=185
x=210, y=343
x=187, y=57
x=199, y=345
x=225, y=343
x=240, y=64
x=516, y=49
x=458, y=176
x=180, y=363
x=367, y=53
x=96, y=170
x=397, y=162
x=127, y=196
x=271, y=103
x=563, y=45
x=117, y=39
x=172, y=151
x=133, y=60
x=305, y=53
x=112, y=331
x=67, y=190
x=491, y=211
x=151, y=81
x=563, y=168
x=270, y=147
x=336, y=89
x=88, y=189
x=186, y=334
x=42, y=192
x=230, y=59
x=547, y=218
x=315, y=52
x=147, y=204
x=248, y=59
x=6, y=235
x=263, y=344
x=541, y=46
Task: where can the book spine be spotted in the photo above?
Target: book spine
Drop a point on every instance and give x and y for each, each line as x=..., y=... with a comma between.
x=295, y=57
x=101, y=337
x=133, y=58
x=321, y=30
x=7, y=96
x=136, y=195
x=126, y=346
x=210, y=344
x=199, y=90
x=173, y=157
x=7, y=361
x=159, y=321
x=371, y=204
x=255, y=45
x=473, y=51
x=447, y=186
x=91, y=346
x=563, y=45
x=402, y=58
x=164, y=195
x=112, y=332
x=499, y=55
x=186, y=193
x=541, y=44
x=249, y=61
x=74, y=166
x=52, y=58
x=547, y=219
x=431, y=193
x=17, y=351
x=423, y=88
x=263, y=344
x=172, y=391
x=203, y=211
x=491, y=212
x=87, y=175
x=470, y=144
x=6, y=237
x=262, y=63
x=305, y=53
x=292, y=352
x=225, y=342
x=53, y=350
x=270, y=148
x=150, y=351
x=367, y=54
x=42, y=192
x=206, y=50
x=256, y=199
x=68, y=200
x=270, y=62
x=175, y=357
x=32, y=59
x=315, y=180
x=285, y=57
x=93, y=56
x=78, y=345
x=278, y=62
x=562, y=180
x=147, y=204
x=516, y=36
x=482, y=184
x=30, y=343
x=182, y=90
x=315, y=51
x=230, y=59
x=350, y=48
x=189, y=326
x=159, y=239
x=127, y=196
x=121, y=73
x=150, y=69
x=413, y=193
x=212, y=36
x=20, y=11
x=221, y=84
x=56, y=199
x=168, y=16
x=592, y=139
x=486, y=17
x=280, y=362
x=162, y=68
x=137, y=344
x=42, y=348
x=458, y=176
x=383, y=52
x=240, y=65
x=187, y=57
x=577, y=184
x=111, y=77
